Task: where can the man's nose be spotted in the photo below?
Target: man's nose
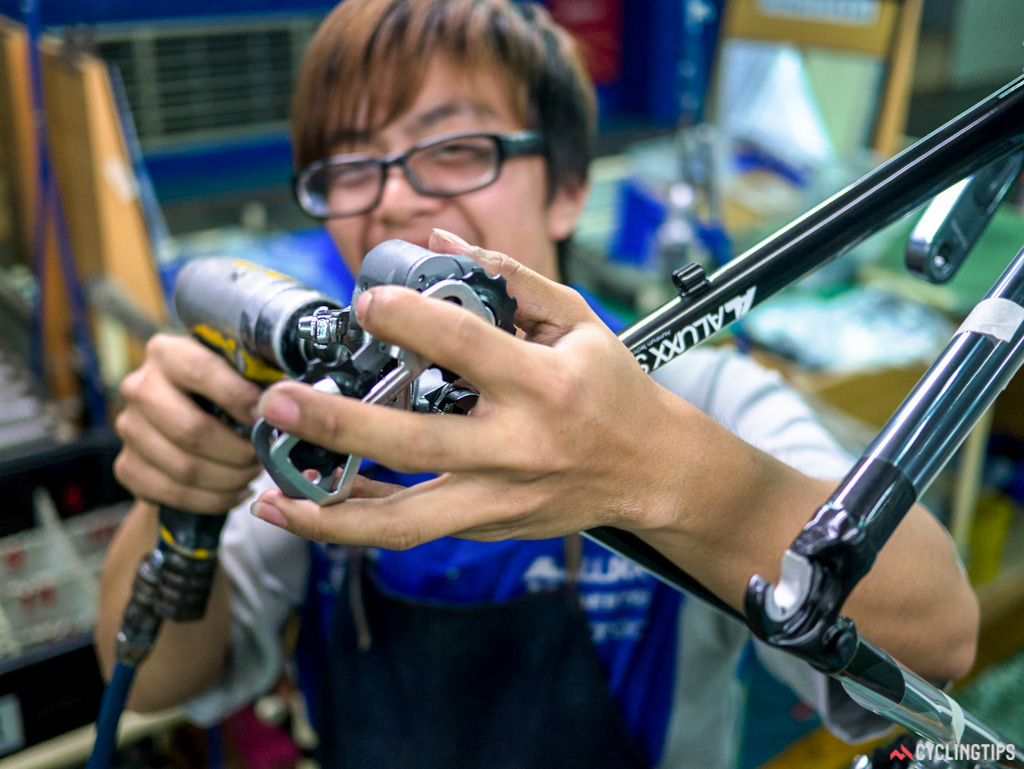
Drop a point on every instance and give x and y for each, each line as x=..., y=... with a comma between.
x=399, y=200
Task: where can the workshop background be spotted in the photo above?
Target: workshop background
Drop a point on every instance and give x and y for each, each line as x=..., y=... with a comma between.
x=164, y=138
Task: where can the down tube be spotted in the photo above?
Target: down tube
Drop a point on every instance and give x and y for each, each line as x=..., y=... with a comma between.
x=921, y=437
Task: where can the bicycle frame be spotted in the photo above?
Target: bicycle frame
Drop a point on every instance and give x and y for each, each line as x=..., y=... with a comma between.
x=839, y=544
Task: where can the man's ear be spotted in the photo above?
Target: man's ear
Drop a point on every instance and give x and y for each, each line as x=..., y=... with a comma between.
x=565, y=209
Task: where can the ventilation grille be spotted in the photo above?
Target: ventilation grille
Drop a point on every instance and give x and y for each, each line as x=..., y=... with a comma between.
x=202, y=83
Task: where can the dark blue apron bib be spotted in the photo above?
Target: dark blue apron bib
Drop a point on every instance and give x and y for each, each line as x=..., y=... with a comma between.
x=418, y=685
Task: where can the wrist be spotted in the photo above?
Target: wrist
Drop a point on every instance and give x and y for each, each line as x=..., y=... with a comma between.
x=672, y=466
x=717, y=506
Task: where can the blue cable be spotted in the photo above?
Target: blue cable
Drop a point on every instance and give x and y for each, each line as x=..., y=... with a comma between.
x=48, y=205
x=114, y=698
x=155, y=222
x=39, y=217
x=214, y=748
x=96, y=406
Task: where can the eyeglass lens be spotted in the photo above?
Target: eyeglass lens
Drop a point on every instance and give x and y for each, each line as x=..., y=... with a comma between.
x=449, y=167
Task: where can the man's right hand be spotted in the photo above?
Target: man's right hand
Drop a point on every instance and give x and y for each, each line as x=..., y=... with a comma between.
x=175, y=453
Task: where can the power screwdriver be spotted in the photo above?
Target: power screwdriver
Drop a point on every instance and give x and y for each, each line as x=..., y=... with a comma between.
x=250, y=316
x=268, y=327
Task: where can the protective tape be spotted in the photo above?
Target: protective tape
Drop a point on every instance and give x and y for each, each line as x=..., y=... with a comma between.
x=998, y=318
x=959, y=723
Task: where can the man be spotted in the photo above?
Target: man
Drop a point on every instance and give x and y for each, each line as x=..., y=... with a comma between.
x=449, y=122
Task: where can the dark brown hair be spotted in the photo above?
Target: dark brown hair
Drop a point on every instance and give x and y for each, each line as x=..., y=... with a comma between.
x=367, y=61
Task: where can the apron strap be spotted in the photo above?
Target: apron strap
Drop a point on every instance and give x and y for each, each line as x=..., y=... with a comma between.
x=364, y=639
x=572, y=545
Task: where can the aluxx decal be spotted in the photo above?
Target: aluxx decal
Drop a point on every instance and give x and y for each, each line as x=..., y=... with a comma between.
x=662, y=349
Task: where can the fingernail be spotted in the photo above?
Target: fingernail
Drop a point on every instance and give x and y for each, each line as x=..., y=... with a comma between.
x=254, y=412
x=279, y=409
x=363, y=305
x=451, y=237
x=267, y=512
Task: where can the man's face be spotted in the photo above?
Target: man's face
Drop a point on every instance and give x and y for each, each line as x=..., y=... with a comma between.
x=511, y=215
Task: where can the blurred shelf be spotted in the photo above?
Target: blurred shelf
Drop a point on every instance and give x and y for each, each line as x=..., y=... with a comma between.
x=73, y=748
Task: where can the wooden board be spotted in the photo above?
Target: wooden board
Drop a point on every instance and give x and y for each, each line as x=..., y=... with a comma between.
x=18, y=144
x=105, y=220
x=108, y=232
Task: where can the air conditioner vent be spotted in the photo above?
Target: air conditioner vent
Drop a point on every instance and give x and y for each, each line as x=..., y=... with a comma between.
x=207, y=82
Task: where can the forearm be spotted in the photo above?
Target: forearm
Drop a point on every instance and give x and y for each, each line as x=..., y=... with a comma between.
x=915, y=602
x=187, y=657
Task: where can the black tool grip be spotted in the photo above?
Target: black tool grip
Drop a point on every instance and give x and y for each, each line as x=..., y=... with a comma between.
x=187, y=543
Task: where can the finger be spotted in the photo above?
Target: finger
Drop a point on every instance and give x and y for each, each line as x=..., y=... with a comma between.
x=150, y=484
x=410, y=517
x=183, y=467
x=543, y=305
x=365, y=488
x=402, y=440
x=175, y=415
x=197, y=369
x=449, y=336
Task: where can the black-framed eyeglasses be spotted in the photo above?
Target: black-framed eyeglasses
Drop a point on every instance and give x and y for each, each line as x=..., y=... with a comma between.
x=349, y=185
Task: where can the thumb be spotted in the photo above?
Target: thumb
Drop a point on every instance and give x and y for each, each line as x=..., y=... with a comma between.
x=543, y=305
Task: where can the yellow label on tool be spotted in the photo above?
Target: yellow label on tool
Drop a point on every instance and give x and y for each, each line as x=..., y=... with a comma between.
x=251, y=368
x=272, y=273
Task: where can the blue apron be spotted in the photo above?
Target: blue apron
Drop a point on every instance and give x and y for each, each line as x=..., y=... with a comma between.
x=416, y=684
x=394, y=681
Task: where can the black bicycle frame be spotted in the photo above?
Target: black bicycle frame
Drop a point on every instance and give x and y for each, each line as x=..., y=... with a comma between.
x=840, y=543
